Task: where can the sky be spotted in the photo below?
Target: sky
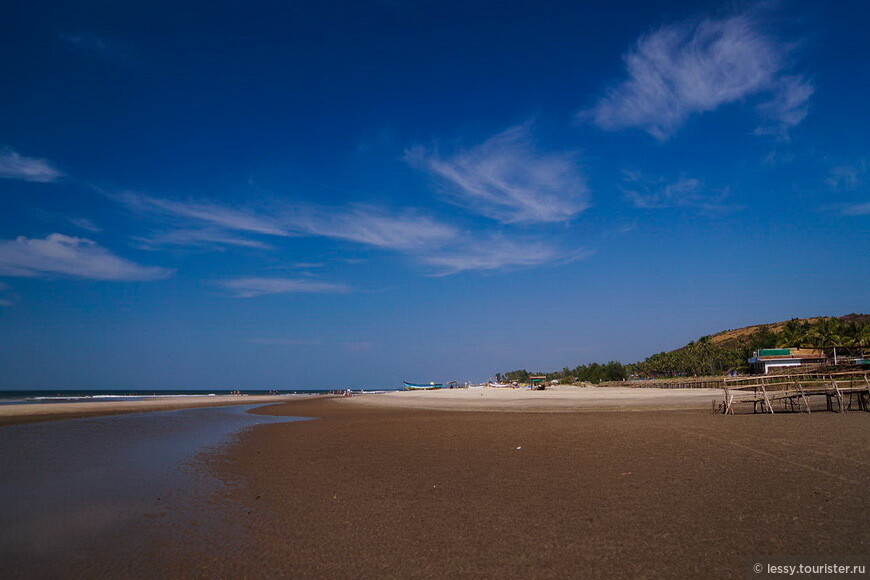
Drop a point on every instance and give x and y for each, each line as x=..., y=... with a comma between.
x=290, y=195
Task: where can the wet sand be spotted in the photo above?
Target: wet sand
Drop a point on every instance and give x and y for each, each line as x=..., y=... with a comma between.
x=381, y=489
x=36, y=412
x=89, y=497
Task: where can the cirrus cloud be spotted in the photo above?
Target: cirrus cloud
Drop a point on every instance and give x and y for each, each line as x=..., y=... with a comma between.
x=70, y=256
x=500, y=253
x=694, y=67
x=645, y=192
x=506, y=179
x=16, y=166
x=252, y=287
x=401, y=230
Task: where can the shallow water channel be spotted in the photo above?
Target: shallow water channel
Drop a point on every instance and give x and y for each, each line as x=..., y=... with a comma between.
x=67, y=485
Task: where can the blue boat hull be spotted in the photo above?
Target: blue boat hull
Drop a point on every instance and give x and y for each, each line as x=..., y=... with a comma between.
x=416, y=387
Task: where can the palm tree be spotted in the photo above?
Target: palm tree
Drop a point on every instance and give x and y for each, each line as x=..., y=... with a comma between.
x=856, y=335
x=793, y=333
x=825, y=333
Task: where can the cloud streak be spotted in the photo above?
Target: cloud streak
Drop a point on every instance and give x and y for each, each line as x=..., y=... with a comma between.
x=499, y=253
x=847, y=176
x=70, y=256
x=659, y=193
x=16, y=166
x=506, y=179
x=402, y=230
x=856, y=209
x=198, y=238
x=787, y=108
x=688, y=68
x=244, y=220
x=253, y=287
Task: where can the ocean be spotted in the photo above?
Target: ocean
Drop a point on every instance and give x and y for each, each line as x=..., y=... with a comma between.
x=92, y=396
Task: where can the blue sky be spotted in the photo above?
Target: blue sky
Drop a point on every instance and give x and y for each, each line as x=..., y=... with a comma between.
x=328, y=194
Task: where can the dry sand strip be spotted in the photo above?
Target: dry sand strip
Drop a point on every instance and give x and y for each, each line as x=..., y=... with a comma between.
x=554, y=399
x=34, y=412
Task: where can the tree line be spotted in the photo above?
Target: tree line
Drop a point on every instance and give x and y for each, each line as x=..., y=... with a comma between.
x=703, y=357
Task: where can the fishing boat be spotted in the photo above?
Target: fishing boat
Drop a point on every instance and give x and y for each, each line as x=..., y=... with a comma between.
x=419, y=387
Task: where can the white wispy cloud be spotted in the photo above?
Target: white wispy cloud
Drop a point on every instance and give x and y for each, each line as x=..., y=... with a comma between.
x=500, y=253
x=694, y=67
x=239, y=219
x=856, y=209
x=403, y=230
x=506, y=179
x=647, y=192
x=847, y=176
x=252, y=287
x=70, y=256
x=212, y=238
x=16, y=166
x=847, y=179
x=788, y=106
x=429, y=240
x=84, y=224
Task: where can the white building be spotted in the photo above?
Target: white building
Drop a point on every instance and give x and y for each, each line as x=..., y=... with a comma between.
x=765, y=359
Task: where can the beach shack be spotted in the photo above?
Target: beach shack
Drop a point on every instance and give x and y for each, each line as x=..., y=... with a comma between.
x=766, y=359
x=538, y=382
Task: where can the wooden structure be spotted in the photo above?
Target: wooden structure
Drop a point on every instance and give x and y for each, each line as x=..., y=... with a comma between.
x=842, y=392
x=538, y=382
x=764, y=360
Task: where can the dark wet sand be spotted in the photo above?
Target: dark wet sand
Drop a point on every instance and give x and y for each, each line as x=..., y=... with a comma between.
x=371, y=491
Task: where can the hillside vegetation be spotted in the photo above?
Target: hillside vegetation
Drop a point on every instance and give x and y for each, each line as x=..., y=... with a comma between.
x=727, y=350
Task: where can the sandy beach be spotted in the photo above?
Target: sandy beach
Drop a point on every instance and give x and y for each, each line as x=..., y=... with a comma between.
x=563, y=399
x=405, y=484
x=388, y=486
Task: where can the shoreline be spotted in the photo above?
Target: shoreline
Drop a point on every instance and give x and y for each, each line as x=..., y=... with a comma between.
x=552, y=400
x=39, y=412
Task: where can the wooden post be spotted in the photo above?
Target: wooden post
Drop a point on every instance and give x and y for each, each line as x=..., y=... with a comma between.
x=728, y=404
x=803, y=396
x=766, y=399
x=840, y=408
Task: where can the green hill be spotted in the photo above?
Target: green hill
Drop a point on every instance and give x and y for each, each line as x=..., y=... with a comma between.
x=728, y=350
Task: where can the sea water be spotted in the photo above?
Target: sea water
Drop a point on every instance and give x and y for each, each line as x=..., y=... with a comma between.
x=66, y=485
x=96, y=396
